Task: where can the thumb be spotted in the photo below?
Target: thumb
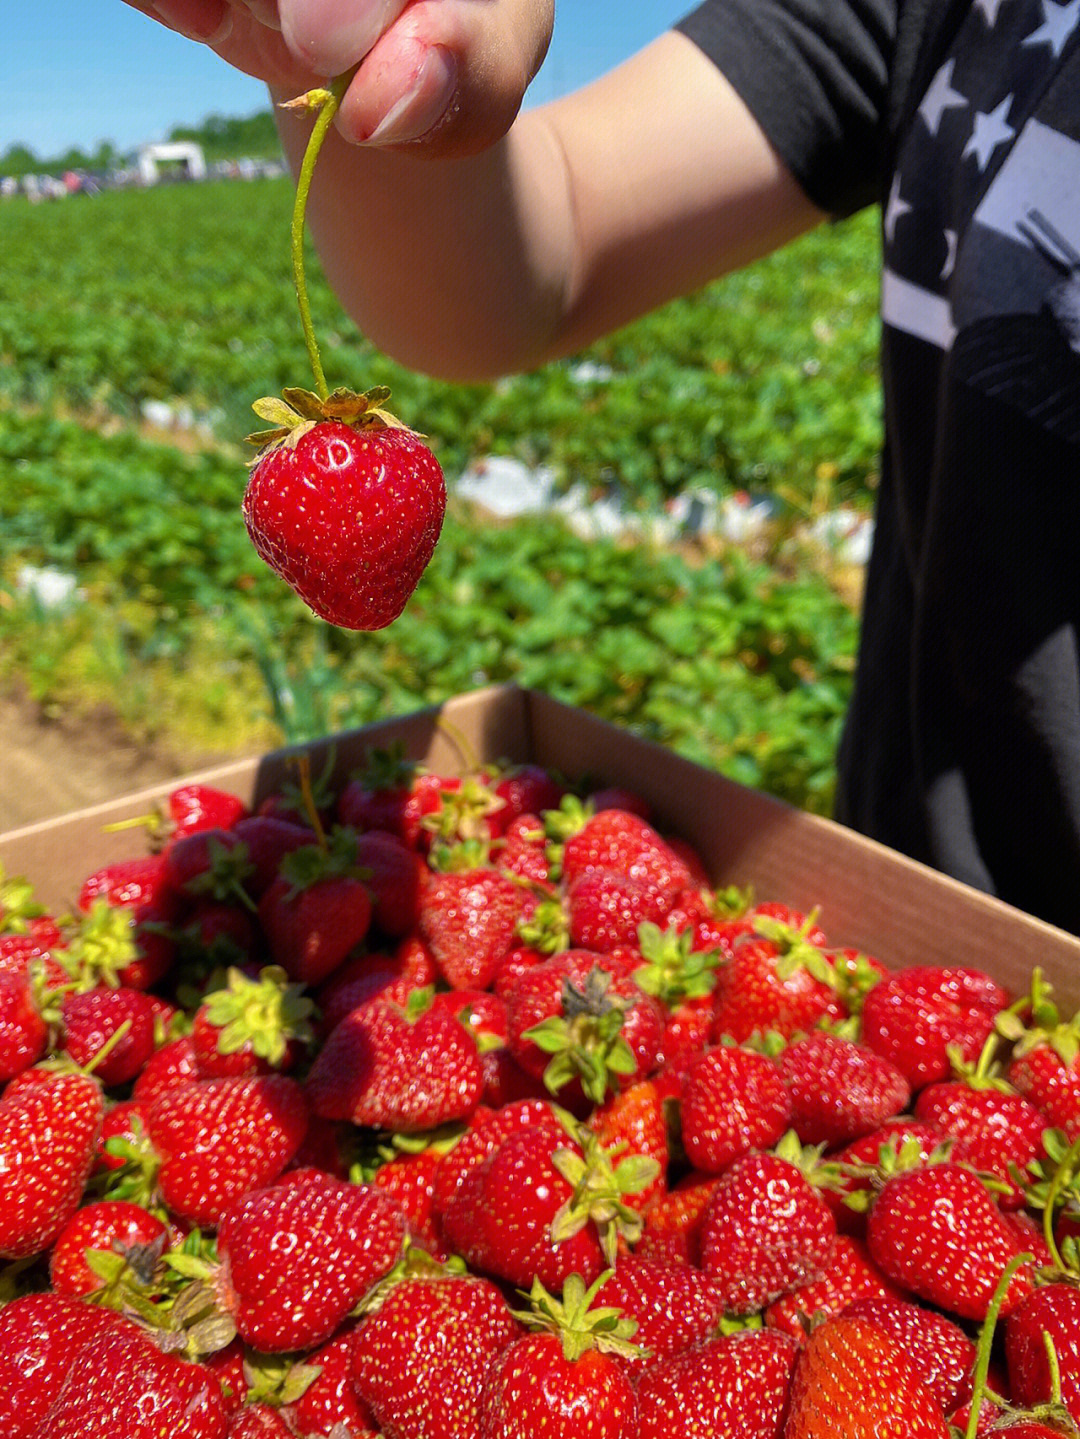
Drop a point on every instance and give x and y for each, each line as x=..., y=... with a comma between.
x=447, y=75
x=329, y=37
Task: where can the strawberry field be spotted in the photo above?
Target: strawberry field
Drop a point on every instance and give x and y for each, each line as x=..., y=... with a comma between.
x=739, y=657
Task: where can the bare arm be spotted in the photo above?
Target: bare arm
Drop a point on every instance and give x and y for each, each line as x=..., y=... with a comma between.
x=591, y=211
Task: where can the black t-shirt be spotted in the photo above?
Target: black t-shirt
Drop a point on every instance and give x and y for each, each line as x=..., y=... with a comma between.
x=962, y=745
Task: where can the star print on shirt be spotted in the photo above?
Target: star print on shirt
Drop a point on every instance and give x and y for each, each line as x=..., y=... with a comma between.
x=941, y=97
x=1059, y=21
x=895, y=209
x=989, y=8
x=991, y=130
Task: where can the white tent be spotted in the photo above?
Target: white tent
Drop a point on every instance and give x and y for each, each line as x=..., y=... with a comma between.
x=190, y=154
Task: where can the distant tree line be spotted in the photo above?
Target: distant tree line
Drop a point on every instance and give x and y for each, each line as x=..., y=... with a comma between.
x=222, y=137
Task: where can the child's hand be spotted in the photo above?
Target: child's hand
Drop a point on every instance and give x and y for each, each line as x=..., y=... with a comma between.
x=449, y=72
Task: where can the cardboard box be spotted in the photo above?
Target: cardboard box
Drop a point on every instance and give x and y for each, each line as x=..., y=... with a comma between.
x=869, y=896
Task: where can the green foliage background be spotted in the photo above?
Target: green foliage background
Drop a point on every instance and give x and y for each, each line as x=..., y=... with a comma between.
x=766, y=380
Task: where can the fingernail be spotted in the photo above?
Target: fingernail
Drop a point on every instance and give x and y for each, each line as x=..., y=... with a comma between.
x=208, y=23
x=423, y=105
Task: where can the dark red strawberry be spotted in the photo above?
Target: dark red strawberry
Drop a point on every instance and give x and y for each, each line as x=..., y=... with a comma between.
x=397, y=1069
x=733, y=1387
x=389, y=977
x=1052, y=1310
x=316, y=910
x=348, y=516
x=733, y=1100
x=49, y=1129
x=394, y=875
x=296, y=1258
x=393, y=795
x=420, y=1359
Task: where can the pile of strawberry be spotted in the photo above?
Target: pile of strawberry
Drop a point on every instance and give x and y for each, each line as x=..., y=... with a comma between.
x=468, y=1108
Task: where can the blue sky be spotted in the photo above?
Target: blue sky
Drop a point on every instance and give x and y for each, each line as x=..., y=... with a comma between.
x=77, y=74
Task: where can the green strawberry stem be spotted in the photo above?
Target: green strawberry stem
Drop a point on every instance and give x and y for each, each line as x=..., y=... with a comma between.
x=326, y=102
x=986, y=1341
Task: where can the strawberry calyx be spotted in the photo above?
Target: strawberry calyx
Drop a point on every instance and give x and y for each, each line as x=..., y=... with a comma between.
x=1034, y=1020
x=546, y=929
x=894, y=1157
x=17, y=904
x=600, y=1181
x=462, y=813
x=586, y=1040
x=277, y=1379
x=414, y=1264
x=730, y=902
x=673, y=970
x=459, y=856
x=102, y=944
x=299, y=411
x=310, y=864
x=579, y=1325
x=266, y=1013
x=985, y=1073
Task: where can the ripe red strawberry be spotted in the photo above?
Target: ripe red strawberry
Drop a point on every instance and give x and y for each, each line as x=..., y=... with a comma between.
x=605, y=907
x=397, y=1069
x=23, y=1032
x=673, y=1305
x=545, y=1205
x=672, y=1225
x=839, y=1090
x=918, y=1015
x=40, y=1337
x=315, y=911
x=259, y=1421
x=18, y=952
x=124, y=939
x=220, y=1138
x=526, y=789
x=469, y=922
x=853, y=1379
x=420, y=1360
x=777, y=979
x=633, y=1122
x=393, y=795
x=733, y=1100
x=121, y=1383
x=348, y=517
x=942, y=1353
x=733, y=1387
x=111, y=1225
x=849, y=1275
x=996, y=1130
x=296, y=1258
x=394, y=875
x=410, y=1178
x=617, y=840
x=194, y=807
x=855, y=1169
x=173, y=1065
x=567, y=1380
x=92, y=1019
x=765, y=1231
x=582, y=1026
x=390, y=977
x=331, y=1397
x=251, y=1025
x=937, y=1232
x=1053, y=1309
x=487, y=1130
x=49, y=1128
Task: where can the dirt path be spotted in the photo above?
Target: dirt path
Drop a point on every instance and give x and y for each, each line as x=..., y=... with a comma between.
x=50, y=767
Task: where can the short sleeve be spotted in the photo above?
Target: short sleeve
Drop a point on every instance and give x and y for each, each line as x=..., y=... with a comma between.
x=816, y=75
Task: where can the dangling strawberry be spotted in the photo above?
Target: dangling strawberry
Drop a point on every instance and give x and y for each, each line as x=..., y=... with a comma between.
x=345, y=503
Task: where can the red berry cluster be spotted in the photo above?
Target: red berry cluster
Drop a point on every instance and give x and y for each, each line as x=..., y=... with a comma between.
x=469, y=1108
